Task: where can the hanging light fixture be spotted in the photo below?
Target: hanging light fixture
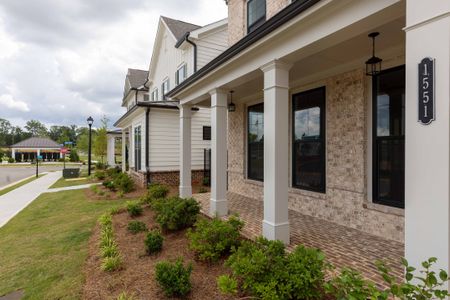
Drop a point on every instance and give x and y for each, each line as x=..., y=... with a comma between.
x=231, y=106
x=373, y=64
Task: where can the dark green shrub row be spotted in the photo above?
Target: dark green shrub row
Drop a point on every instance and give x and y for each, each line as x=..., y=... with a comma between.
x=212, y=239
x=154, y=242
x=134, y=208
x=264, y=270
x=174, y=278
x=136, y=226
x=114, y=180
x=109, y=251
x=176, y=213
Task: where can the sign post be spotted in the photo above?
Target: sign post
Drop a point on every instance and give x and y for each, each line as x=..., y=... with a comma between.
x=64, y=152
x=38, y=157
x=427, y=107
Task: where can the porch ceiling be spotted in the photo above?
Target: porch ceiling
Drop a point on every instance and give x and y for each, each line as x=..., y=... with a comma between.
x=345, y=56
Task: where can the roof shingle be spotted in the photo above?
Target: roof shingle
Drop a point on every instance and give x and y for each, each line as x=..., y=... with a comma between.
x=37, y=142
x=179, y=28
x=137, y=78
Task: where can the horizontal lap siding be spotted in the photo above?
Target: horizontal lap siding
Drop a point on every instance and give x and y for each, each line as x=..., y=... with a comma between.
x=211, y=46
x=164, y=139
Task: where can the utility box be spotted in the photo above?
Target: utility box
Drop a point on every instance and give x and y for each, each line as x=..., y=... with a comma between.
x=71, y=173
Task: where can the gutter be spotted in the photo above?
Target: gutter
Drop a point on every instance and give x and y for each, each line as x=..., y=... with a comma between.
x=185, y=38
x=147, y=142
x=281, y=18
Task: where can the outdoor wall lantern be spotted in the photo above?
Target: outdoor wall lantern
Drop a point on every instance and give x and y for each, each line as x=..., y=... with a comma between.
x=373, y=64
x=231, y=106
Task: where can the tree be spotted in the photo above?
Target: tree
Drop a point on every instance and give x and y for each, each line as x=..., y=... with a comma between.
x=101, y=140
x=5, y=131
x=36, y=128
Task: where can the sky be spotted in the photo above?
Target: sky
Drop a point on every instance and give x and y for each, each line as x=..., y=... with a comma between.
x=61, y=61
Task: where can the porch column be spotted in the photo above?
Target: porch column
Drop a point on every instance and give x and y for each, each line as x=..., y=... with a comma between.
x=218, y=204
x=110, y=150
x=13, y=153
x=276, y=133
x=185, y=152
x=124, y=150
x=427, y=171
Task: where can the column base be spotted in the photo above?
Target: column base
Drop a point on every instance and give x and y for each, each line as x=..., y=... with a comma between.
x=218, y=208
x=278, y=231
x=185, y=191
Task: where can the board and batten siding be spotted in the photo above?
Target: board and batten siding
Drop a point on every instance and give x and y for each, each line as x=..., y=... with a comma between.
x=164, y=145
x=211, y=46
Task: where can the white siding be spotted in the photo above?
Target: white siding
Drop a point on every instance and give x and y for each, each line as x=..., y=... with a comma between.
x=211, y=46
x=164, y=139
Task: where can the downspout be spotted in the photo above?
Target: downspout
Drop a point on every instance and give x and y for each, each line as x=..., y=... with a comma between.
x=195, y=50
x=147, y=157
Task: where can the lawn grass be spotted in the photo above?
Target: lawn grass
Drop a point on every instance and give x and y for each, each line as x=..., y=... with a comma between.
x=13, y=187
x=65, y=183
x=43, y=248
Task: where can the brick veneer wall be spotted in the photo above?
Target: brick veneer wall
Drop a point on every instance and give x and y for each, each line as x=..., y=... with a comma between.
x=164, y=177
x=237, y=17
x=345, y=200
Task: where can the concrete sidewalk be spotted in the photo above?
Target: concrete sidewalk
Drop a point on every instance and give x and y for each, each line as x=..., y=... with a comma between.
x=71, y=188
x=16, y=200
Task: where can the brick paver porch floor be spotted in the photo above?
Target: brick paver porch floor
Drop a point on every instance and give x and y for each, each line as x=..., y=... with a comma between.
x=342, y=245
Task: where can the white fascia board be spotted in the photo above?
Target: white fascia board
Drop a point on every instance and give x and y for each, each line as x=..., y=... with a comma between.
x=209, y=29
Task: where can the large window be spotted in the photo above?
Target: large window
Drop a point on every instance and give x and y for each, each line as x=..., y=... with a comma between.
x=256, y=14
x=155, y=95
x=255, y=147
x=181, y=74
x=389, y=137
x=165, y=88
x=308, y=153
x=137, y=148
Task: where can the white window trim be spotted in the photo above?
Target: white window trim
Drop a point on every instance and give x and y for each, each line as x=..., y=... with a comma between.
x=155, y=90
x=183, y=65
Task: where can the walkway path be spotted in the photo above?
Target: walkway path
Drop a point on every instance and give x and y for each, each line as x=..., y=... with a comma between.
x=70, y=188
x=13, y=202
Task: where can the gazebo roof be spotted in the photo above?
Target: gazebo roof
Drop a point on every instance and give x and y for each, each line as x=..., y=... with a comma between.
x=37, y=142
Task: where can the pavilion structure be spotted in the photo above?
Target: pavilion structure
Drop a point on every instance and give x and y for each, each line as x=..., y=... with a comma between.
x=27, y=150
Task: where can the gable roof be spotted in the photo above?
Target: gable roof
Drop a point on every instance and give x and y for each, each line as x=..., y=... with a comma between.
x=137, y=78
x=37, y=142
x=179, y=28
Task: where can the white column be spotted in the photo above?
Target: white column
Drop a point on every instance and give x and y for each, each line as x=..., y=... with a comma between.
x=124, y=147
x=38, y=152
x=185, y=152
x=427, y=194
x=13, y=153
x=276, y=134
x=110, y=150
x=218, y=203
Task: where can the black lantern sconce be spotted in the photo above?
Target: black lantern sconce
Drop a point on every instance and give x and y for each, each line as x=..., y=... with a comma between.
x=373, y=64
x=231, y=106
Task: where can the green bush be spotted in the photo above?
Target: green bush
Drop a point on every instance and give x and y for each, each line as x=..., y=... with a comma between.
x=109, y=250
x=100, y=175
x=205, y=181
x=112, y=172
x=227, y=285
x=110, y=264
x=124, y=182
x=74, y=157
x=174, y=278
x=154, y=241
x=105, y=220
x=11, y=160
x=176, y=213
x=158, y=191
x=212, y=239
x=136, y=226
x=265, y=271
x=134, y=208
x=100, y=166
x=94, y=188
x=125, y=296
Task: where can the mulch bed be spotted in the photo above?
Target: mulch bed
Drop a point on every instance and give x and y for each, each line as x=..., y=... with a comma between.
x=110, y=195
x=138, y=276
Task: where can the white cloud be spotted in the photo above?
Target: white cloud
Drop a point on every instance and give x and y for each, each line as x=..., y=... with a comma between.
x=9, y=102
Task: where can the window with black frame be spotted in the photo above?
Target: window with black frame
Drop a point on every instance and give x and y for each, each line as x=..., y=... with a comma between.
x=137, y=148
x=255, y=142
x=308, y=153
x=389, y=137
x=256, y=14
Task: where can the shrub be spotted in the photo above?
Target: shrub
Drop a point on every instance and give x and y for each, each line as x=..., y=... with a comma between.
x=105, y=220
x=125, y=296
x=120, y=194
x=227, y=285
x=100, y=175
x=11, y=160
x=176, y=213
x=110, y=250
x=206, y=181
x=112, y=172
x=74, y=157
x=115, y=210
x=100, y=166
x=154, y=241
x=124, y=182
x=264, y=270
x=112, y=263
x=174, y=278
x=136, y=226
x=349, y=284
x=212, y=239
x=94, y=188
x=158, y=191
x=134, y=208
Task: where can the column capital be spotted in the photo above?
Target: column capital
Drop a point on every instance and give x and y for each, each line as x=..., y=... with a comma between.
x=276, y=64
x=217, y=91
x=185, y=111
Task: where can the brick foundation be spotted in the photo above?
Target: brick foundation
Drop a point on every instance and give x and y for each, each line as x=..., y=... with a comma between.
x=164, y=177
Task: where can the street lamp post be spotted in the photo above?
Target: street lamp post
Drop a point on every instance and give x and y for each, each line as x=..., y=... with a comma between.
x=90, y=121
